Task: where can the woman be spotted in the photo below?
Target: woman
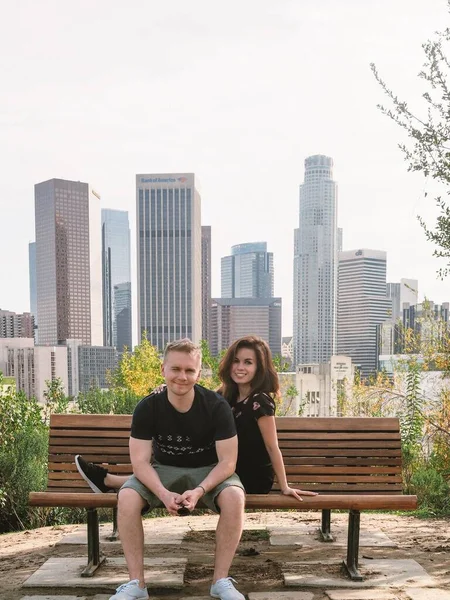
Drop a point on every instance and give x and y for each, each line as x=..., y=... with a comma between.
x=250, y=384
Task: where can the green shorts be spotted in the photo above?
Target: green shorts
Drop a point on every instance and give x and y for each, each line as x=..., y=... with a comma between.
x=178, y=480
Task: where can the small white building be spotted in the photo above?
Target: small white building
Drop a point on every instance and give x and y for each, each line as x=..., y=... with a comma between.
x=31, y=366
x=320, y=386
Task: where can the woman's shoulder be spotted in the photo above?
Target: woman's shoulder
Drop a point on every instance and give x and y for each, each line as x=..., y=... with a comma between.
x=263, y=398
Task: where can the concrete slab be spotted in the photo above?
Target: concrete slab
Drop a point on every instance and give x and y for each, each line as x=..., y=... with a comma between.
x=307, y=535
x=427, y=594
x=281, y=596
x=66, y=573
x=378, y=573
x=157, y=535
x=368, y=594
x=53, y=598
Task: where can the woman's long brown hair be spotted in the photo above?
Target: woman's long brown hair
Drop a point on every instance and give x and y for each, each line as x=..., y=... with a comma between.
x=266, y=377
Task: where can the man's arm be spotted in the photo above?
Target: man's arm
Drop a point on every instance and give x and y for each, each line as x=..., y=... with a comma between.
x=141, y=454
x=226, y=465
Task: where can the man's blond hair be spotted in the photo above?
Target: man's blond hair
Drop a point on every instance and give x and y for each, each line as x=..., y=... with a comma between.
x=184, y=345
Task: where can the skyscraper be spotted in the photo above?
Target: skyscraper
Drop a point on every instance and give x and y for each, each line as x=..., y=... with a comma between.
x=315, y=264
x=169, y=257
x=248, y=272
x=405, y=291
x=68, y=262
x=116, y=269
x=232, y=318
x=362, y=305
x=32, y=278
x=206, y=282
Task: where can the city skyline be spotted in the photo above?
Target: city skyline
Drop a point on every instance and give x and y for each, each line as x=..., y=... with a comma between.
x=245, y=134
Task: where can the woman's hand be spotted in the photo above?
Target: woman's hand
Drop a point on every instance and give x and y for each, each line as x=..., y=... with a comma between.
x=297, y=493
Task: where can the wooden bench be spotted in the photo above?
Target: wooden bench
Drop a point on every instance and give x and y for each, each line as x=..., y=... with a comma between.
x=354, y=463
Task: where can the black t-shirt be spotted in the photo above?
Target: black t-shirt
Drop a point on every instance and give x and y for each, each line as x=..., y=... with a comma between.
x=184, y=439
x=252, y=453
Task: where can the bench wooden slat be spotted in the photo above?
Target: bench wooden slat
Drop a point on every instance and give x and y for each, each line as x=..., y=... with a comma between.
x=293, y=451
x=90, y=433
x=328, y=501
x=323, y=488
x=341, y=460
x=93, y=441
x=347, y=444
x=306, y=471
x=68, y=421
x=316, y=436
x=123, y=469
x=337, y=424
x=92, y=457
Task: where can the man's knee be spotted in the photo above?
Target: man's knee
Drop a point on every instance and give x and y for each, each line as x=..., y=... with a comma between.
x=232, y=498
x=130, y=502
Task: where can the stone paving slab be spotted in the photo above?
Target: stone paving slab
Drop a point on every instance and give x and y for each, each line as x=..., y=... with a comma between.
x=170, y=532
x=66, y=572
x=307, y=535
x=368, y=594
x=280, y=596
x=427, y=594
x=53, y=598
x=383, y=573
x=159, y=535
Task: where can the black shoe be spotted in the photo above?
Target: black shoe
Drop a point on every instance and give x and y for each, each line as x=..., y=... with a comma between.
x=94, y=475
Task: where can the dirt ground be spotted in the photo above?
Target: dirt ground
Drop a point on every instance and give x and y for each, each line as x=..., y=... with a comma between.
x=257, y=564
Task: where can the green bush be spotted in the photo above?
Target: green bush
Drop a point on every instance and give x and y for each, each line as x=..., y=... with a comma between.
x=432, y=490
x=115, y=402
x=23, y=458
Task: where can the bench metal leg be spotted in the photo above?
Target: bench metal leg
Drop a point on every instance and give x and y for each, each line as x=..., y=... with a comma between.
x=115, y=533
x=351, y=564
x=325, y=530
x=95, y=558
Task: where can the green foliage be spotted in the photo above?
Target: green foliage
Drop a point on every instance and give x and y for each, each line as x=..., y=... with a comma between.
x=55, y=399
x=432, y=490
x=104, y=402
x=429, y=133
x=23, y=458
x=139, y=371
x=411, y=420
x=210, y=367
x=281, y=364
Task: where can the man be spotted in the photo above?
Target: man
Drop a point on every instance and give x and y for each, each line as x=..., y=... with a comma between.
x=183, y=449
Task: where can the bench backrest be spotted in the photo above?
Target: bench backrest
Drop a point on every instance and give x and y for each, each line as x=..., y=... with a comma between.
x=333, y=455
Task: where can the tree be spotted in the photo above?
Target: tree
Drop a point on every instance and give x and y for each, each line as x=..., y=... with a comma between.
x=210, y=367
x=56, y=400
x=139, y=371
x=429, y=148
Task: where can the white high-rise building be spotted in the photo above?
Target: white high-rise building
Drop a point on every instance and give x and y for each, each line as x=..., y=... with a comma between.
x=362, y=305
x=68, y=262
x=169, y=253
x=315, y=264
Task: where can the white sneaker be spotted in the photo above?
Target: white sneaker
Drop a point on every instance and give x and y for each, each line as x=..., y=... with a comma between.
x=225, y=590
x=130, y=591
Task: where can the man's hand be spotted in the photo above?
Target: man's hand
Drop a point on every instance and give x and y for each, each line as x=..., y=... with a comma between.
x=171, y=501
x=190, y=498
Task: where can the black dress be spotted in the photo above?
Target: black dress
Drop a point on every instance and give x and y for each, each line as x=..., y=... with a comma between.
x=253, y=465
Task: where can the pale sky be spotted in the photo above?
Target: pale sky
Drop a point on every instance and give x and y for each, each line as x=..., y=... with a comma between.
x=238, y=92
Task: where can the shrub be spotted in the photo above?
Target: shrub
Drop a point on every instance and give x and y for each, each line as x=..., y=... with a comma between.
x=432, y=490
x=23, y=458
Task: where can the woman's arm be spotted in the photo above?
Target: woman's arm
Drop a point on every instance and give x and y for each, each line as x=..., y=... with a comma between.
x=268, y=431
